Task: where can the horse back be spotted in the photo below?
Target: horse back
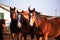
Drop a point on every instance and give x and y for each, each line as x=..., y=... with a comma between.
x=49, y=27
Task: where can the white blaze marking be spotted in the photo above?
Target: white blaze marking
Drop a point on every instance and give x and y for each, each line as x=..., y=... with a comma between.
x=31, y=20
x=19, y=24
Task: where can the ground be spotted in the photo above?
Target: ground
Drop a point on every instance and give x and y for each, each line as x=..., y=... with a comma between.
x=7, y=35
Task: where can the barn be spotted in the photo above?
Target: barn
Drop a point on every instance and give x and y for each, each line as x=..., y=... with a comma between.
x=5, y=13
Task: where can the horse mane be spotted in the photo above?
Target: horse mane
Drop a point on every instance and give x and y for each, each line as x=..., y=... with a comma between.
x=41, y=20
x=56, y=20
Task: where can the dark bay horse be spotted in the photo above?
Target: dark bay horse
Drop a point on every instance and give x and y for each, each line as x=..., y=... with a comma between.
x=2, y=26
x=25, y=27
x=45, y=27
x=14, y=22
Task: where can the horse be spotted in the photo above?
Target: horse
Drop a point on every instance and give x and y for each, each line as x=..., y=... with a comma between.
x=56, y=20
x=25, y=27
x=2, y=26
x=14, y=23
x=46, y=28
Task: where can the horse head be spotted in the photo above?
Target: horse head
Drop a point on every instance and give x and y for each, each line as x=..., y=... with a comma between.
x=23, y=16
x=38, y=21
x=13, y=13
x=32, y=18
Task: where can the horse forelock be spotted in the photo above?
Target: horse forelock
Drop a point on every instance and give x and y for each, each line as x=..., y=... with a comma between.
x=26, y=14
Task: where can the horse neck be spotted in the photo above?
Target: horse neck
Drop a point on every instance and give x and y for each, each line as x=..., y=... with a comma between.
x=40, y=22
x=37, y=22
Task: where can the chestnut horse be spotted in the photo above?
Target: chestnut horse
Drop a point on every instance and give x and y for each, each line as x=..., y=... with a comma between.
x=56, y=21
x=46, y=27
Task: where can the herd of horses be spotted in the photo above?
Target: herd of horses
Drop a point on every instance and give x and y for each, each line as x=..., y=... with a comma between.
x=32, y=23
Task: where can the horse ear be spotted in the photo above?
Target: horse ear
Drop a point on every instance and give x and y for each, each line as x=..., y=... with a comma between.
x=29, y=8
x=33, y=9
x=10, y=8
x=17, y=11
x=14, y=8
x=22, y=11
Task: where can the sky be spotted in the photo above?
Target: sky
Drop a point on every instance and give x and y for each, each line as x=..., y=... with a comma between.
x=46, y=7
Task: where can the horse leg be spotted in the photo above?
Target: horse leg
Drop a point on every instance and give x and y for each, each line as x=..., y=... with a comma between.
x=19, y=36
x=45, y=37
x=13, y=35
x=39, y=37
x=58, y=37
x=32, y=36
x=25, y=36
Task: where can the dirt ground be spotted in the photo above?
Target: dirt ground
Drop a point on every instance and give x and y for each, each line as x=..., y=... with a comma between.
x=7, y=36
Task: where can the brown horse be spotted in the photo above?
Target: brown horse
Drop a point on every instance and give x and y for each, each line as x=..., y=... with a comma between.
x=2, y=26
x=24, y=22
x=25, y=27
x=56, y=20
x=46, y=27
x=14, y=22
